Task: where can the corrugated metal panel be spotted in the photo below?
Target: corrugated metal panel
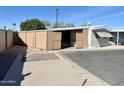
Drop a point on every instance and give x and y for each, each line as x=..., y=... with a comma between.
x=104, y=34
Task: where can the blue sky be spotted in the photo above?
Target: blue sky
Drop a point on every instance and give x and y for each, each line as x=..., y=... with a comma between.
x=112, y=17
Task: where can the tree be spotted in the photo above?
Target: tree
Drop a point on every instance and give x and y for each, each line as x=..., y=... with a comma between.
x=47, y=23
x=86, y=24
x=60, y=25
x=69, y=25
x=32, y=24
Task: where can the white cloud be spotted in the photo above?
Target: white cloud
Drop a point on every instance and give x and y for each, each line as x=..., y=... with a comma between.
x=97, y=14
x=107, y=16
x=91, y=12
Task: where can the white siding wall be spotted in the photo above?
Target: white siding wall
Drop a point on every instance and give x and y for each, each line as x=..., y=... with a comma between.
x=94, y=41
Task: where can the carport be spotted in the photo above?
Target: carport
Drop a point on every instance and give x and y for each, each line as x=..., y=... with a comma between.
x=73, y=37
x=66, y=39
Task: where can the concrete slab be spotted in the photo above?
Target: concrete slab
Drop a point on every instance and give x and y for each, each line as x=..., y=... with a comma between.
x=51, y=72
x=57, y=72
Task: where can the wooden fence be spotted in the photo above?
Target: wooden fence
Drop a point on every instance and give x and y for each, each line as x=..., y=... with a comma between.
x=45, y=40
x=6, y=39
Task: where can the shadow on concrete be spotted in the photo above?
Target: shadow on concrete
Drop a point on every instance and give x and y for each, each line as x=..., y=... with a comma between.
x=14, y=75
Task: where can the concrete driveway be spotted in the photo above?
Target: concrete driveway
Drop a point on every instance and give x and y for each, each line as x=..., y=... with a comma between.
x=106, y=64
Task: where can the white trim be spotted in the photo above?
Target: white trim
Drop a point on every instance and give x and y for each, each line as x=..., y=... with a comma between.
x=121, y=30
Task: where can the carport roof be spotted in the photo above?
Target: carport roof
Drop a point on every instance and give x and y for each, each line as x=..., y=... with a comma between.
x=77, y=28
x=67, y=28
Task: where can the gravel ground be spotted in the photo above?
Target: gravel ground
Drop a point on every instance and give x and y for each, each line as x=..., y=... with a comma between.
x=40, y=57
x=6, y=60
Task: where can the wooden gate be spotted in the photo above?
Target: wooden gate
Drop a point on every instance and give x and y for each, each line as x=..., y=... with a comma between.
x=79, y=39
x=56, y=40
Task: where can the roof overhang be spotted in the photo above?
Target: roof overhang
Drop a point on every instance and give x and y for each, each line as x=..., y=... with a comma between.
x=67, y=28
x=79, y=28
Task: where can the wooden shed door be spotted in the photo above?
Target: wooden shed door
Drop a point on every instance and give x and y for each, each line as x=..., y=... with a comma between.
x=79, y=39
x=56, y=40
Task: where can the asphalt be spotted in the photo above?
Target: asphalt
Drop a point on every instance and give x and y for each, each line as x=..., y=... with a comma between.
x=106, y=64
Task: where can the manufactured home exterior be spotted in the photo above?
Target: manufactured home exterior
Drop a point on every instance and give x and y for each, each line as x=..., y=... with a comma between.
x=59, y=38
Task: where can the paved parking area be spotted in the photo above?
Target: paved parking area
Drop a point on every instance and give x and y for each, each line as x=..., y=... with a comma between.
x=106, y=64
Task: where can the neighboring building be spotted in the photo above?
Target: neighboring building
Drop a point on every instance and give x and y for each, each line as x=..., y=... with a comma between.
x=58, y=38
x=118, y=36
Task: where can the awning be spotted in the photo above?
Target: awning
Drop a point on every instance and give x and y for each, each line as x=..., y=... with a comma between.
x=104, y=34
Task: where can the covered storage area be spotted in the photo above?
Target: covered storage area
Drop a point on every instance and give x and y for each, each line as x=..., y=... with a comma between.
x=66, y=39
x=73, y=37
